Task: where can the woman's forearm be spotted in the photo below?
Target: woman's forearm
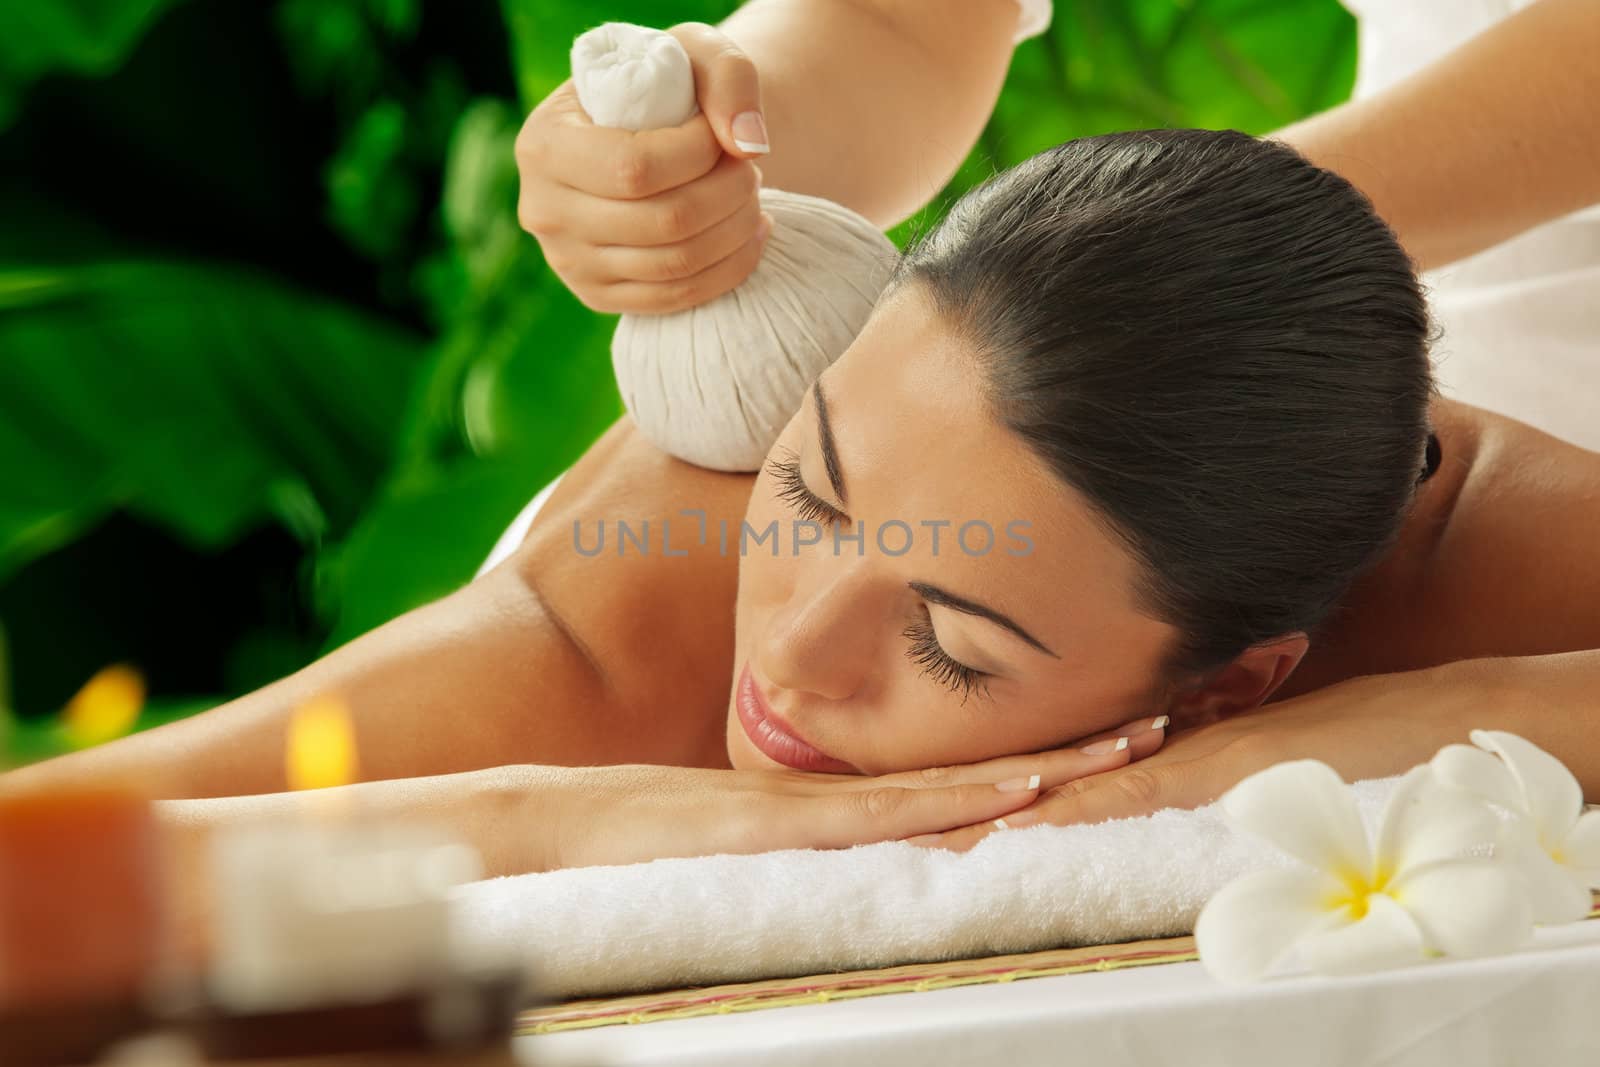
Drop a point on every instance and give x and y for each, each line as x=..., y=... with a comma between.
x=874, y=103
x=500, y=811
x=1550, y=700
x=1492, y=139
x=509, y=815
x=480, y=678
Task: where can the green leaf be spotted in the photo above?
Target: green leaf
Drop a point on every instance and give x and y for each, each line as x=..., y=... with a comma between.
x=330, y=47
x=90, y=37
x=511, y=397
x=372, y=198
x=423, y=540
x=204, y=397
x=5, y=674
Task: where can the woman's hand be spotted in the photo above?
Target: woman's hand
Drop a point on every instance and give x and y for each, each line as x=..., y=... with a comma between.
x=590, y=816
x=655, y=220
x=1367, y=727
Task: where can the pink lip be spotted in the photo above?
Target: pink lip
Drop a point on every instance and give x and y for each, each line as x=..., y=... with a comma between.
x=774, y=737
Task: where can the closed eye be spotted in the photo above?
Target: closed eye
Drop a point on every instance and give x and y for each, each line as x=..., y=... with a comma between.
x=792, y=490
x=925, y=649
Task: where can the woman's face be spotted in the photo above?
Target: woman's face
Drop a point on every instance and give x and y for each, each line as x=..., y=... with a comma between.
x=952, y=600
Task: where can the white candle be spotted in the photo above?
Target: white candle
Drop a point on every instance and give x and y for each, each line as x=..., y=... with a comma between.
x=309, y=912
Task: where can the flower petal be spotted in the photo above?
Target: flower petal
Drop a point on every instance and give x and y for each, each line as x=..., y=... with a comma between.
x=1583, y=848
x=1552, y=795
x=1556, y=893
x=1478, y=772
x=1304, y=808
x=1426, y=820
x=1386, y=936
x=1249, y=924
x=1466, y=907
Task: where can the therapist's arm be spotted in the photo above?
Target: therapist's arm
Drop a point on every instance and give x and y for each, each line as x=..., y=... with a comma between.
x=1496, y=137
x=874, y=103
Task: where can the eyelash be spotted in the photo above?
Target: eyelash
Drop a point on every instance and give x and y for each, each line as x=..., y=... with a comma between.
x=925, y=649
x=792, y=489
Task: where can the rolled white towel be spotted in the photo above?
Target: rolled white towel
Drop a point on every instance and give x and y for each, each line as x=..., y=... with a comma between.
x=731, y=918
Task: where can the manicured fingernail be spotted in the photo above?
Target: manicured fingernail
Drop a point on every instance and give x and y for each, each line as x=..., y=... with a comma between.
x=750, y=132
x=763, y=228
x=1016, y=785
x=1160, y=723
x=1000, y=824
x=1100, y=748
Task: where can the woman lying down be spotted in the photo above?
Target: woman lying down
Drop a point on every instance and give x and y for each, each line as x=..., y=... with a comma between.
x=1134, y=483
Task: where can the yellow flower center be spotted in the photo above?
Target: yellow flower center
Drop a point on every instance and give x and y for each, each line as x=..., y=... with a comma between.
x=1356, y=890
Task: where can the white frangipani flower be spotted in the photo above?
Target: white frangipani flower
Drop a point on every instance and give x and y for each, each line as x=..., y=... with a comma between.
x=1360, y=906
x=1550, y=840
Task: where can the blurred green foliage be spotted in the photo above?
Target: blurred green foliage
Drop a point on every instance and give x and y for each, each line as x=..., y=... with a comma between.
x=276, y=362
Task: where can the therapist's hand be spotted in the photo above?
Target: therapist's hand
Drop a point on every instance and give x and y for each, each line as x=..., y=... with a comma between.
x=1368, y=727
x=656, y=220
x=586, y=816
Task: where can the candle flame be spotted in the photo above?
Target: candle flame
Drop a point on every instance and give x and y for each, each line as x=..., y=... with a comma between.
x=106, y=707
x=322, y=745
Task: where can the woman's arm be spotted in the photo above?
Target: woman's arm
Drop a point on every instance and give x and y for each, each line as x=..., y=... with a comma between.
x=480, y=677
x=1370, y=727
x=548, y=658
x=1494, y=138
x=524, y=819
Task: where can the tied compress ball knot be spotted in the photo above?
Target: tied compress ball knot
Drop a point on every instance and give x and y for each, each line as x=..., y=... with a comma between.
x=632, y=77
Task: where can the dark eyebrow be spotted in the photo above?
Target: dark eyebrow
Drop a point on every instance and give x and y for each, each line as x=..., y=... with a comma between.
x=933, y=594
x=930, y=593
x=830, y=454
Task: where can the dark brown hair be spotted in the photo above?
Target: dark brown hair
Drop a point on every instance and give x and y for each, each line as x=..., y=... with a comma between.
x=1219, y=344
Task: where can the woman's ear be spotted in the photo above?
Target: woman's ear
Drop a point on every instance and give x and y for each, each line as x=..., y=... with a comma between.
x=1253, y=676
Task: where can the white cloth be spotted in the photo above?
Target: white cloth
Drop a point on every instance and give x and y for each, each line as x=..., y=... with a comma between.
x=506, y=546
x=632, y=78
x=1033, y=18
x=1521, y=321
x=1535, y=1006
x=730, y=918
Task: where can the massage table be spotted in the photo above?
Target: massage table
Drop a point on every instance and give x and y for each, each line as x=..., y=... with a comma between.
x=1145, y=1003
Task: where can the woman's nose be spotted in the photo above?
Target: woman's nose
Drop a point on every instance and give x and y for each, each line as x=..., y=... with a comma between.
x=820, y=641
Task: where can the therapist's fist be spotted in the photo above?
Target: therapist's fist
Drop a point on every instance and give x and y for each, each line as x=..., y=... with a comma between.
x=651, y=221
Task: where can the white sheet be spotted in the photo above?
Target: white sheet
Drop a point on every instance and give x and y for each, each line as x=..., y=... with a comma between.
x=1535, y=1007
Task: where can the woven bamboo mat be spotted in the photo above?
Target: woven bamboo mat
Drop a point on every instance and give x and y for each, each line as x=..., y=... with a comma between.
x=846, y=985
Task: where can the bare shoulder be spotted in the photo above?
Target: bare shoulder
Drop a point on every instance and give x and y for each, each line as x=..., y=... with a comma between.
x=1516, y=569
x=617, y=555
x=1497, y=557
